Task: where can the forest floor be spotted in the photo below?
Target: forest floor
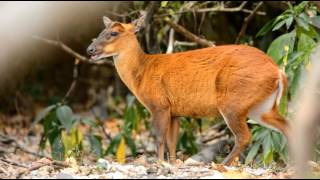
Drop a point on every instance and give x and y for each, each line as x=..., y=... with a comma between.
x=19, y=159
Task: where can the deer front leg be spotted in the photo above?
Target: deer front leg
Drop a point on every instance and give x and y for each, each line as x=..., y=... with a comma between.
x=172, y=138
x=161, y=123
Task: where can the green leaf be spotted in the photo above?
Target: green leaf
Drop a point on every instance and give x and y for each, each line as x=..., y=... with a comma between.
x=65, y=116
x=164, y=3
x=300, y=7
x=130, y=100
x=131, y=145
x=302, y=23
x=305, y=43
x=267, y=149
x=253, y=152
x=89, y=122
x=266, y=28
x=277, y=48
x=294, y=56
x=113, y=144
x=315, y=21
x=294, y=83
x=279, y=25
x=57, y=149
x=96, y=145
x=289, y=21
x=40, y=116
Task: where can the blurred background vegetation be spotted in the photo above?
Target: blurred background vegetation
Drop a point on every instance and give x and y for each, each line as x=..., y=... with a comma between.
x=36, y=79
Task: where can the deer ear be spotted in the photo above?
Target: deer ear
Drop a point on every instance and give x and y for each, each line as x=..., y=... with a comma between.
x=140, y=22
x=107, y=21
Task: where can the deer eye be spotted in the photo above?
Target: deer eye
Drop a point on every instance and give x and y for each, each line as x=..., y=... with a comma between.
x=114, y=33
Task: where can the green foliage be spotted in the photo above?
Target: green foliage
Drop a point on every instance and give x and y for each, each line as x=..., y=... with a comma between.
x=291, y=51
x=61, y=130
x=133, y=117
x=187, y=140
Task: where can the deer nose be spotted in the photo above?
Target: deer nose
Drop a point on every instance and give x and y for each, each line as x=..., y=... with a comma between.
x=91, y=50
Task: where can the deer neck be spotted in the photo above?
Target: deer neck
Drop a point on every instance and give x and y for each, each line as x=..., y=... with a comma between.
x=129, y=64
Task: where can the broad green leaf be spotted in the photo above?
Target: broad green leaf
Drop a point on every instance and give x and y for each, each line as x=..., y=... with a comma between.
x=96, y=145
x=305, y=43
x=40, y=116
x=57, y=149
x=294, y=56
x=277, y=48
x=315, y=21
x=65, y=116
x=302, y=23
x=253, y=152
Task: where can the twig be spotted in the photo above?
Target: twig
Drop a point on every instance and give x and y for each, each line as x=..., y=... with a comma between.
x=183, y=43
x=189, y=35
x=74, y=81
x=108, y=136
x=56, y=163
x=246, y=21
x=19, y=146
x=4, y=171
x=221, y=8
x=68, y=50
x=12, y=163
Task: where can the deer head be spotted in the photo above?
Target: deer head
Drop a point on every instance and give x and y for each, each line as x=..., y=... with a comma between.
x=114, y=38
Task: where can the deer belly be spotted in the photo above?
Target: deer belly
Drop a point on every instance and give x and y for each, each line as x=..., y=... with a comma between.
x=194, y=105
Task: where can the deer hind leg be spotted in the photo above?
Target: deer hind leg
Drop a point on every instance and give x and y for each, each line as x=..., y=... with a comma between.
x=238, y=126
x=172, y=138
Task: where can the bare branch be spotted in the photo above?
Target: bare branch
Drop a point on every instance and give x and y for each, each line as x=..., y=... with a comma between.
x=183, y=43
x=221, y=8
x=75, y=79
x=189, y=35
x=246, y=22
x=69, y=50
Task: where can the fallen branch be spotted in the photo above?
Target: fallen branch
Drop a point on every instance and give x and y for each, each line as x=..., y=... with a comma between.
x=48, y=163
x=246, y=22
x=19, y=146
x=13, y=163
x=4, y=171
x=189, y=35
x=68, y=50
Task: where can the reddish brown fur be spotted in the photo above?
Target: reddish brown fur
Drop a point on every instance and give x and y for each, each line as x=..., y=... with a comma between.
x=228, y=79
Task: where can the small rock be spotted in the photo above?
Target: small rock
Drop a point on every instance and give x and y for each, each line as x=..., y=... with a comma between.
x=152, y=170
x=215, y=175
x=192, y=162
x=64, y=176
x=117, y=175
x=103, y=164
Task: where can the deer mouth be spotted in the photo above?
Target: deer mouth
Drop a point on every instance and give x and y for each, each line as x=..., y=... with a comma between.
x=101, y=56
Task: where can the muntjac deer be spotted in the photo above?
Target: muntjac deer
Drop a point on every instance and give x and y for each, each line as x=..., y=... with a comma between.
x=235, y=81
